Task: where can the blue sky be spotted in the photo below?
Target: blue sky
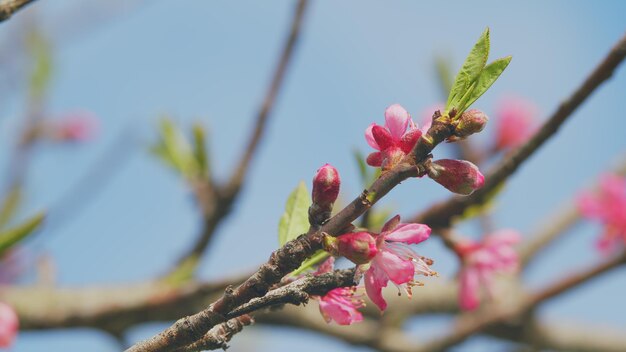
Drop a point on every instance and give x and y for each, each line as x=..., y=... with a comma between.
x=211, y=61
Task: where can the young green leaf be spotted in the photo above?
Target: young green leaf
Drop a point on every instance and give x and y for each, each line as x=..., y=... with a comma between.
x=199, y=148
x=295, y=220
x=14, y=235
x=487, y=77
x=470, y=70
x=10, y=205
x=317, y=257
x=175, y=150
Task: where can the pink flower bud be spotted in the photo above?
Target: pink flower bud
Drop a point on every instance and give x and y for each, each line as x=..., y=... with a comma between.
x=358, y=247
x=470, y=122
x=326, y=186
x=9, y=324
x=458, y=176
x=325, y=191
x=76, y=127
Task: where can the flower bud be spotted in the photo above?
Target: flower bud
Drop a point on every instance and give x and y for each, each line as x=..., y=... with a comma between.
x=326, y=186
x=458, y=176
x=325, y=191
x=358, y=247
x=470, y=122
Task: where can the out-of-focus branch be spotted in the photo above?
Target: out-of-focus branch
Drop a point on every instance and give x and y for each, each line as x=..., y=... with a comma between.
x=556, y=224
x=476, y=322
x=575, y=279
x=110, y=308
x=565, y=336
x=265, y=111
x=220, y=198
x=9, y=7
x=553, y=335
x=441, y=215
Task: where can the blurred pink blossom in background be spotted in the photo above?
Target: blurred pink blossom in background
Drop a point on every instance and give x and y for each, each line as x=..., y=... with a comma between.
x=607, y=206
x=481, y=260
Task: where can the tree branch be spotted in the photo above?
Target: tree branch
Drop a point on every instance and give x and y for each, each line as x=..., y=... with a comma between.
x=218, y=337
x=441, y=215
x=9, y=7
x=293, y=253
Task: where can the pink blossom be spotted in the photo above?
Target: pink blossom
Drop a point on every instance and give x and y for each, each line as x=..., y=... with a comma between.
x=340, y=304
x=481, y=260
x=395, y=261
x=358, y=247
x=393, y=141
x=9, y=325
x=77, y=126
x=608, y=207
x=514, y=123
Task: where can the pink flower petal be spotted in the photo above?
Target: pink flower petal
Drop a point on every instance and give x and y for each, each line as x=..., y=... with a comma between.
x=398, y=270
x=375, y=280
x=409, y=140
x=409, y=233
x=375, y=159
x=396, y=120
x=326, y=266
x=335, y=307
x=468, y=289
x=369, y=137
x=506, y=237
x=382, y=137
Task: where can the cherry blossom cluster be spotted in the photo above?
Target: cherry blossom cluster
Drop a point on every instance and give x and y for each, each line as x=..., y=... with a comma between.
x=387, y=256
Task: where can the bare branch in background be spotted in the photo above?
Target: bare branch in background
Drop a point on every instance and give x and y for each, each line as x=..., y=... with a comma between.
x=217, y=203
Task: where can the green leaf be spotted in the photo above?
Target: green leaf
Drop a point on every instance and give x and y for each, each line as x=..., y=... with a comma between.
x=317, y=257
x=295, y=220
x=10, y=206
x=14, y=235
x=487, y=77
x=175, y=150
x=199, y=148
x=470, y=70
x=42, y=67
